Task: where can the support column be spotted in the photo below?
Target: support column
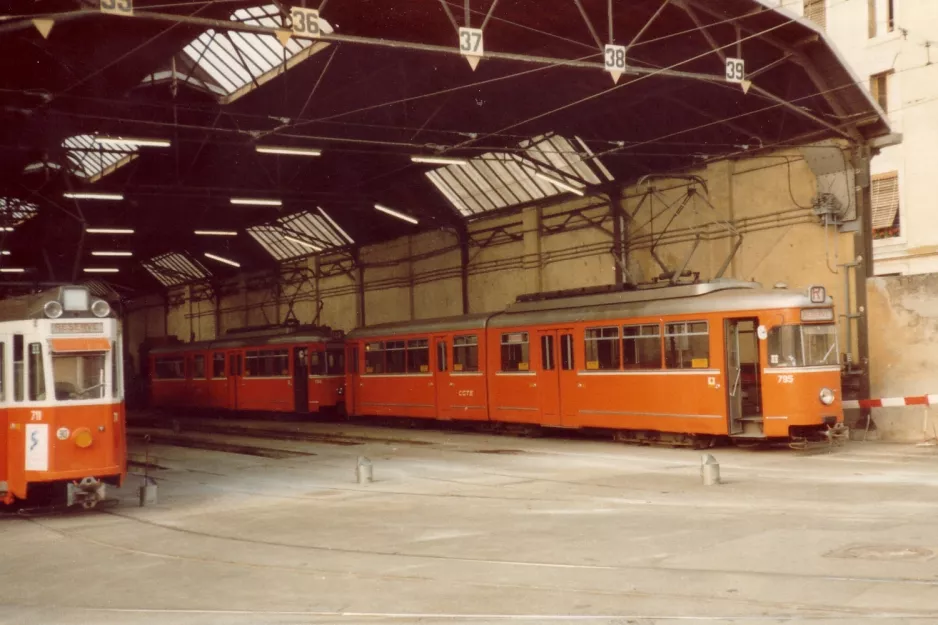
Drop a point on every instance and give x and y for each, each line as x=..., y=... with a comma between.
x=720, y=195
x=531, y=225
x=619, y=254
x=360, y=300
x=463, y=234
x=863, y=245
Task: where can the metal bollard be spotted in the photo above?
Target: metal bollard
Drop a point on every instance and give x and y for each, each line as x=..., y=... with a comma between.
x=364, y=470
x=709, y=470
x=147, y=492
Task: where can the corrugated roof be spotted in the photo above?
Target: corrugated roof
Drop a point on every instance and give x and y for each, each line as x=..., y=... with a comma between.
x=316, y=233
x=14, y=211
x=176, y=268
x=230, y=64
x=501, y=179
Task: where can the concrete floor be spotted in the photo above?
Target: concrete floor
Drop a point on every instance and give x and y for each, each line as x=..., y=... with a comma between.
x=465, y=528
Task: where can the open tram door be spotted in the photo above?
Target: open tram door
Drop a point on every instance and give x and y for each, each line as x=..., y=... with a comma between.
x=743, y=378
x=235, y=371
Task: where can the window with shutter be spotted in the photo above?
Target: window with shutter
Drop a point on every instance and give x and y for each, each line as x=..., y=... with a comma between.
x=816, y=11
x=885, y=200
x=879, y=88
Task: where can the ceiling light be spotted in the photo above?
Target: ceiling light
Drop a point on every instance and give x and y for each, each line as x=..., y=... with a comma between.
x=12, y=270
x=113, y=197
x=109, y=230
x=439, y=160
x=112, y=253
x=217, y=233
x=133, y=142
x=101, y=270
x=302, y=242
x=279, y=149
x=222, y=259
x=253, y=201
x=5, y=252
x=559, y=184
x=394, y=213
x=334, y=224
x=6, y=229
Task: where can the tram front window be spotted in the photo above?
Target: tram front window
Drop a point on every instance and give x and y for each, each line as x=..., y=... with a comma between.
x=79, y=376
x=803, y=346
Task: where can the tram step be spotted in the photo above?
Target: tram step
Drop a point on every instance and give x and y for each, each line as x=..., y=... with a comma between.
x=752, y=419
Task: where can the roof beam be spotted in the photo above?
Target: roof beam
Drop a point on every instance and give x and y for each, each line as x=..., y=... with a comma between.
x=702, y=28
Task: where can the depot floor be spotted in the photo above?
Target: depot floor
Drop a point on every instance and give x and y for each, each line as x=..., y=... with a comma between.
x=468, y=528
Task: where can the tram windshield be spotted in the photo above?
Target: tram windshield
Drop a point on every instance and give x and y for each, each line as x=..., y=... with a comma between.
x=803, y=346
x=79, y=375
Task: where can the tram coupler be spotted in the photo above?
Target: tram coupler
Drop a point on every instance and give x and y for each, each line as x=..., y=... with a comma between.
x=88, y=492
x=838, y=433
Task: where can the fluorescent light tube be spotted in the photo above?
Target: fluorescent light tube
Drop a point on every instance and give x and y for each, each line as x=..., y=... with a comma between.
x=101, y=269
x=253, y=201
x=279, y=149
x=439, y=160
x=217, y=233
x=222, y=259
x=302, y=242
x=559, y=184
x=394, y=213
x=113, y=197
x=109, y=230
x=12, y=270
x=133, y=142
x=335, y=225
x=112, y=253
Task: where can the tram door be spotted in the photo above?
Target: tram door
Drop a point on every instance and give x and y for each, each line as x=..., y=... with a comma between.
x=548, y=378
x=743, y=378
x=300, y=380
x=234, y=379
x=351, y=379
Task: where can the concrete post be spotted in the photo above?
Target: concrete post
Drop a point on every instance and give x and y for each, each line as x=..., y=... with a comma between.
x=709, y=470
x=364, y=470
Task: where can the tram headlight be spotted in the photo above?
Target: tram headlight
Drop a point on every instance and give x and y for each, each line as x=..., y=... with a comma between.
x=100, y=308
x=53, y=309
x=826, y=396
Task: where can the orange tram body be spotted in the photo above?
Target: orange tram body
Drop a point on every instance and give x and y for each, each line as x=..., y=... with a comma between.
x=685, y=363
x=288, y=369
x=62, y=417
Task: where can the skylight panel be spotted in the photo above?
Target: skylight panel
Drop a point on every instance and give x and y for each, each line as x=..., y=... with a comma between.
x=92, y=161
x=14, y=211
x=300, y=234
x=175, y=269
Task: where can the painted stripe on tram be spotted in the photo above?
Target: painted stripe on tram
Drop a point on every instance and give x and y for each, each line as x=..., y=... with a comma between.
x=652, y=414
x=654, y=372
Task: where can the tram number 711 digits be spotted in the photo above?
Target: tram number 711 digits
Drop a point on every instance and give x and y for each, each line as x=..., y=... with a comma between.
x=786, y=379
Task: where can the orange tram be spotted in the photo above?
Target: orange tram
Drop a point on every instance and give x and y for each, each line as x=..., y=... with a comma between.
x=684, y=364
x=62, y=414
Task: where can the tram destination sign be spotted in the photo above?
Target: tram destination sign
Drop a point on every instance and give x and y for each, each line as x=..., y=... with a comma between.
x=88, y=327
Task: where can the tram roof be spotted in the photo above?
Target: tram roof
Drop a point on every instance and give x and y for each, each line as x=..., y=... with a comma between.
x=729, y=296
x=246, y=341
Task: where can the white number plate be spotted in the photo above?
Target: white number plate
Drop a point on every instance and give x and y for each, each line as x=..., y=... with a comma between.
x=470, y=42
x=614, y=58
x=305, y=22
x=117, y=7
x=735, y=70
x=786, y=379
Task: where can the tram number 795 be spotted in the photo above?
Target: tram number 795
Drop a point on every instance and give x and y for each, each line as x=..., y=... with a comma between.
x=786, y=379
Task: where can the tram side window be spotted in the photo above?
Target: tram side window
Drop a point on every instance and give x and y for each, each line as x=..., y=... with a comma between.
x=218, y=365
x=18, y=367
x=317, y=362
x=335, y=361
x=169, y=369
x=198, y=367
x=418, y=356
x=466, y=353
x=441, y=362
x=374, y=357
x=602, y=348
x=3, y=368
x=37, y=374
x=353, y=360
x=515, y=351
x=547, y=353
x=267, y=363
x=641, y=346
x=566, y=352
x=687, y=345
x=395, y=355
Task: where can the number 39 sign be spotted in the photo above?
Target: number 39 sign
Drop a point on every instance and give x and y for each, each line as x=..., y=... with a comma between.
x=117, y=7
x=735, y=70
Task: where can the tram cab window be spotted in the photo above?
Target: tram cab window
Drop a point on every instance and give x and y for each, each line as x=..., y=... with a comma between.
x=418, y=356
x=803, y=346
x=317, y=362
x=466, y=353
x=80, y=375
x=37, y=374
x=198, y=367
x=18, y=367
x=335, y=361
x=395, y=356
x=515, y=351
x=687, y=345
x=374, y=357
x=602, y=348
x=218, y=365
x=641, y=346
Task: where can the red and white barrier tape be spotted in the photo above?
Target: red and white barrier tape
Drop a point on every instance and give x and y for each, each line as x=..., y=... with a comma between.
x=891, y=402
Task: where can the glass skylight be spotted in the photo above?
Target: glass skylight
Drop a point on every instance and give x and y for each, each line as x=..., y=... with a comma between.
x=300, y=234
x=175, y=269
